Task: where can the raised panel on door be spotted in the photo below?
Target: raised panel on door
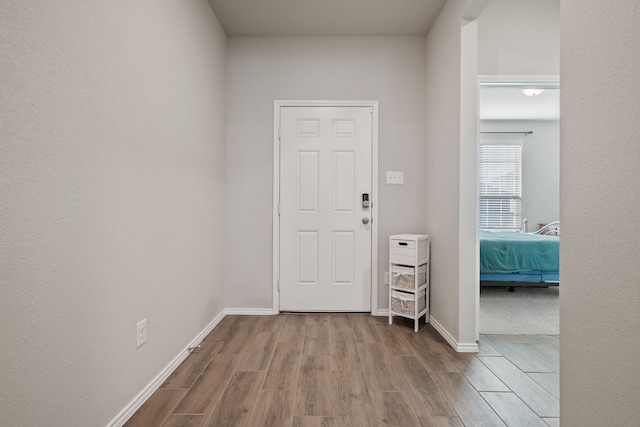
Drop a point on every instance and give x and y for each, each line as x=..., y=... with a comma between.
x=307, y=258
x=343, y=252
x=343, y=182
x=308, y=181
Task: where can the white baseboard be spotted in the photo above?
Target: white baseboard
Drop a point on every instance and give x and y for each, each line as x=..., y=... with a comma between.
x=471, y=347
x=142, y=397
x=382, y=312
x=459, y=347
x=251, y=311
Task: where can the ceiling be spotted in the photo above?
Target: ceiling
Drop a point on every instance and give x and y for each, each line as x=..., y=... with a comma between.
x=327, y=17
x=287, y=18
x=508, y=103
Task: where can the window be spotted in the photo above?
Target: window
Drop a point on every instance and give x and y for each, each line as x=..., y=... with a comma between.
x=500, y=176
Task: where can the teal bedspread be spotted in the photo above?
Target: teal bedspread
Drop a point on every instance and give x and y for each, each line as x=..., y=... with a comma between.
x=509, y=252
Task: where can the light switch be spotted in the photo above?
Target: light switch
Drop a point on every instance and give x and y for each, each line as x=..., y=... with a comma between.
x=395, y=177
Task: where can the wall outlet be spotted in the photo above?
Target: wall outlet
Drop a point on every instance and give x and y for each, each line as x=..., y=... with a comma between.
x=141, y=333
x=394, y=177
x=386, y=277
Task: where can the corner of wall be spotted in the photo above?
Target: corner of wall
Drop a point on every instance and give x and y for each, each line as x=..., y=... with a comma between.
x=460, y=347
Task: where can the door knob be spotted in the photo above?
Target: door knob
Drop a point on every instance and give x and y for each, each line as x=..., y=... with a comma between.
x=365, y=220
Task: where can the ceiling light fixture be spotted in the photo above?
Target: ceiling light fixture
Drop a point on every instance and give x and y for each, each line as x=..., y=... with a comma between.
x=532, y=92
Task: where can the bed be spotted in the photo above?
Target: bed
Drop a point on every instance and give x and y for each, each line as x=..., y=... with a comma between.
x=519, y=259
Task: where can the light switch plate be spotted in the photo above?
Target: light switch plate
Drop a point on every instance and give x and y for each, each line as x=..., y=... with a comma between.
x=395, y=177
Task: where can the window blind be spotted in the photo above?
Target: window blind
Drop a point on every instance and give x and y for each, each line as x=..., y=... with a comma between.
x=500, y=176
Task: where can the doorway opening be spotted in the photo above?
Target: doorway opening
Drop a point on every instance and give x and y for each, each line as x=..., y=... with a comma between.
x=518, y=194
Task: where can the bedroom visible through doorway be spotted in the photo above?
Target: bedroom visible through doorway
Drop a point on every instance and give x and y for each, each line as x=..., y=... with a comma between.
x=518, y=196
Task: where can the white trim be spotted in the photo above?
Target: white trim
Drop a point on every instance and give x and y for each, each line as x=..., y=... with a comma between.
x=545, y=81
x=276, y=191
x=374, y=211
x=459, y=347
x=471, y=347
x=251, y=311
x=146, y=392
x=381, y=312
x=276, y=209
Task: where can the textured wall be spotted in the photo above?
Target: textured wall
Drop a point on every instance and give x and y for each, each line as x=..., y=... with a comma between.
x=599, y=174
x=112, y=199
x=261, y=70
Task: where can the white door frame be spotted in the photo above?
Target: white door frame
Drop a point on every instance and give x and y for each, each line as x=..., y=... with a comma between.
x=276, y=191
x=513, y=81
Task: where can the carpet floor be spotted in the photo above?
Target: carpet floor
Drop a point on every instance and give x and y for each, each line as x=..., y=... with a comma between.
x=526, y=311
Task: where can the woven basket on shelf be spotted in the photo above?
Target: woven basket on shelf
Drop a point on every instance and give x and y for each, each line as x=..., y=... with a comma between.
x=403, y=303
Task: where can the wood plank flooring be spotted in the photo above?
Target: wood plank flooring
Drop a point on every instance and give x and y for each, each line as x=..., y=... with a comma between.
x=338, y=370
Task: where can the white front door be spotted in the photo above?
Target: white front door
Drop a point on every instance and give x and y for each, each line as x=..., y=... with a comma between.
x=325, y=231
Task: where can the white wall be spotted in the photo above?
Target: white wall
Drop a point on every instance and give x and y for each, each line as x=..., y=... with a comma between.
x=468, y=250
x=519, y=37
x=599, y=175
x=540, y=167
x=443, y=160
x=261, y=70
x=112, y=189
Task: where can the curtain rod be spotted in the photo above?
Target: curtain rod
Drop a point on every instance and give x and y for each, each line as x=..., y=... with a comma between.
x=524, y=132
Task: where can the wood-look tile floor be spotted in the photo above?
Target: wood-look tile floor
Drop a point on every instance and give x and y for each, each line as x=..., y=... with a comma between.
x=355, y=370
